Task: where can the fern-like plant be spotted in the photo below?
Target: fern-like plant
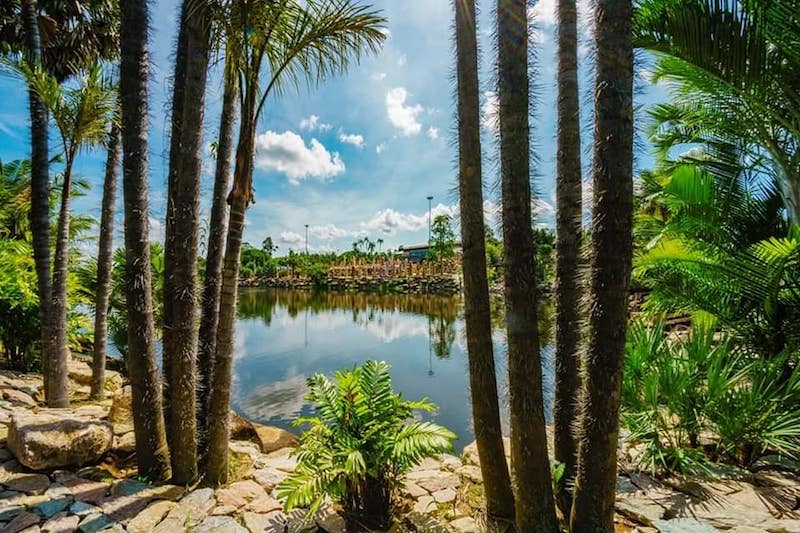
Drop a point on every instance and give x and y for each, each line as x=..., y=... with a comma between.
x=360, y=443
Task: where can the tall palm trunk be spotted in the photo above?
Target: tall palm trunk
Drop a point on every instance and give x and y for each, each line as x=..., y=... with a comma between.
x=239, y=199
x=180, y=247
x=483, y=380
x=148, y=417
x=209, y=317
x=40, y=188
x=593, y=505
x=568, y=243
x=532, y=480
x=105, y=253
x=57, y=391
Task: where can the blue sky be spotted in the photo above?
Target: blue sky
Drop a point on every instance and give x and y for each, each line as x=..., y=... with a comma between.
x=358, y=155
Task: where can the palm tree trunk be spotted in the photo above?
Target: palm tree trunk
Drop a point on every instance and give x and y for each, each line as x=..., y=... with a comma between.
x=239, y=199
x=148, y=417
x=209, y=318
x=57, y=391
x=568, y=243
x=530, y=464
x=483, y=378
x=40, y=188
x=180, y=247
x=593, y=505
x=105, y=252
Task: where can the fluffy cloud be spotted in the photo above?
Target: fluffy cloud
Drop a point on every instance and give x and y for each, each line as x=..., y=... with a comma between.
x=389, y=221
x=489, y=111
x=380, y=148
x=402, y=116
x=330, y=232
x=433, y=133
x=351, y=138
x=312, y=123
x=378, y=76
x=287, y=153
x=291, y=238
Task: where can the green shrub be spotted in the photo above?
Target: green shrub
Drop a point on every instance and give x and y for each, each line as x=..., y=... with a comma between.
x=359, y=445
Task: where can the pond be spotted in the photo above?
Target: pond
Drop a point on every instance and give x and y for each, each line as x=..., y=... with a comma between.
x=285, y=336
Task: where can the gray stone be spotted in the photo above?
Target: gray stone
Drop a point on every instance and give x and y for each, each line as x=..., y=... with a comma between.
x=424, y=522
x=444, y=496
x=83, y=509
x=683, y=525
x=190, y=511
x=414, y=490
x=149, y=518
x=332, y=523
x=426, y=504
x=123, y=508
x=220, y=524
x=87, y=491
x=471, y=472
x=465, y=524
x=269, y=478
x=94, y=522
x=61, y=523
x=28, y=483
x=273, y=522
x=21, y=521
x=435, y=480
x=17, y=397
x=240, y=493
x=60, y=498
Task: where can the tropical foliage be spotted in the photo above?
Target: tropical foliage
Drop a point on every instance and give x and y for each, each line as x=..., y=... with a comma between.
x=358, y=445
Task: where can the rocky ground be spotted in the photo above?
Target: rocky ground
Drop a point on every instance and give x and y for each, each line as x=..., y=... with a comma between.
x=441, y=495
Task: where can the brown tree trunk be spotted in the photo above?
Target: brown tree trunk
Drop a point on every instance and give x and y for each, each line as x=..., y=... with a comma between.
x=533, y=493
x=568, y=243
x=239, y=199
x=180, y=246
x=40, y=188
x=57, y=391
x=482, y=375
x=209, y=317
x=612, y=204
x=105, y=252
x=148, y=416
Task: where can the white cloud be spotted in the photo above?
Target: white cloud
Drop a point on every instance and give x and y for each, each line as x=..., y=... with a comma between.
x=489, y=111
x=378, y=76
x=291, y=238
x=433, y=133
x=389, y=221
x=541, y=207
x=402, y=60
x=287, y=153
x=403, y=116
x=380, y=148
x=329, y=232
x=543, y=12
x=312, y=123
x=351, y=138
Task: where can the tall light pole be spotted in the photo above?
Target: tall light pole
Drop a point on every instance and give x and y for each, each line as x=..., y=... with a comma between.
x=306, y=239
x=430, y=198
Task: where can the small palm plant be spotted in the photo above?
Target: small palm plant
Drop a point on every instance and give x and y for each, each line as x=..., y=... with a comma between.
x=359, y=445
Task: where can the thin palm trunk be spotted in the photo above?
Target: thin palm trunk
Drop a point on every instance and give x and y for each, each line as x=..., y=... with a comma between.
x=593, y=504
x=530, y=464
x=180, y=248
x=239, y=199
x=568, y=243
x=105, y=252
x=209, y=318
x=148, y=417
x=57, y=391
x=483, y=379
x=40, y=188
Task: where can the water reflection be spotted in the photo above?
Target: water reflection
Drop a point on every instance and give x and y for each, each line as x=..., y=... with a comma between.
x=284, y=336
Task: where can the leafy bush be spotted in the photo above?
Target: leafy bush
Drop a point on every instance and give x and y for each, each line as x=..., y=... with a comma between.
x=359, y=445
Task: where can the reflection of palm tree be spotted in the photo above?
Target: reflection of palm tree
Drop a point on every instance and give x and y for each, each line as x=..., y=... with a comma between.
x=442, y=334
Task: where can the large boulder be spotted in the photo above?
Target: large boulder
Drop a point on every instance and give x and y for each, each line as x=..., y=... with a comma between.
x=57, y=438
x=121, y=411
x=268, y=438
x=80, y=375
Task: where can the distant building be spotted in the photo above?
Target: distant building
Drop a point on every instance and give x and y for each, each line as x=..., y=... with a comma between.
x=419, y=252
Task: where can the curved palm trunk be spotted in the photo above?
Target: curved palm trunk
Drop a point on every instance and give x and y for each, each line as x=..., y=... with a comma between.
x=530, y=464
x=239, y=199
x=483, y=379
x=105, y=252
x=57, y=391
x=568, y=243
x=593, y=505
x=209, y=318
x=40, y=188
x=148, y=417
x=180, y=247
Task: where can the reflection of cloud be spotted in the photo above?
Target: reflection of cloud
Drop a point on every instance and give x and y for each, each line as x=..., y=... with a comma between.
x=280, y=399
x=394, y=326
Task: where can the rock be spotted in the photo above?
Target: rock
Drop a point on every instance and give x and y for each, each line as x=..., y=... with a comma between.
x=414, y=490
x=48, y=440
x=273, y=522
x=434, y=480
x=79, y=372
x=8, y=469
x=471, y=472
x=426, y=523
x=220, y=524
x=94, y=522
x=147, y=519
x=28, y=483
x=332, y=523
x=240, y=493
x=425, y=504
x=465, y=525
x=83, y=509
x=121, y=411
x=263, y=504
x=21, y=521
x=61, y=523
x=224, y=510
x=59, y=499
x=17, y=397
x=189, y=512
x=128, y=487
x=683, y=525
x=87, y=491
x=10, y=504
x=123, y=508
x=240, y=458
x=270, y=438
x=125, y=443
x=281, y=460
x=470, y=453
x=269, y=478
x=444, y=496
x=450, y=462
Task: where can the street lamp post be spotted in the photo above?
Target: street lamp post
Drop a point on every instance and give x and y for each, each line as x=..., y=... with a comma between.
x=430, y=198
x=306, y=239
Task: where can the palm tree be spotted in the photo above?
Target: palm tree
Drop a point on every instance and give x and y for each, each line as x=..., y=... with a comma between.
x=568, y=243
x=483, y=380
x=610, y=263
x=105, y=252
x=298, y=41
x=148, y=418
x=180, y=335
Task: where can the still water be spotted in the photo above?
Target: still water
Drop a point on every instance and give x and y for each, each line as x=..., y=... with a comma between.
x=284, y=336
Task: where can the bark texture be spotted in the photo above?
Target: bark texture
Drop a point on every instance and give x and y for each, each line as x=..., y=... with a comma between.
x=568, y=243
x=148, y=416
x=482, y=374
x=105, y=252
x=535, y=510
x=180, y=246
x=612, y=202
